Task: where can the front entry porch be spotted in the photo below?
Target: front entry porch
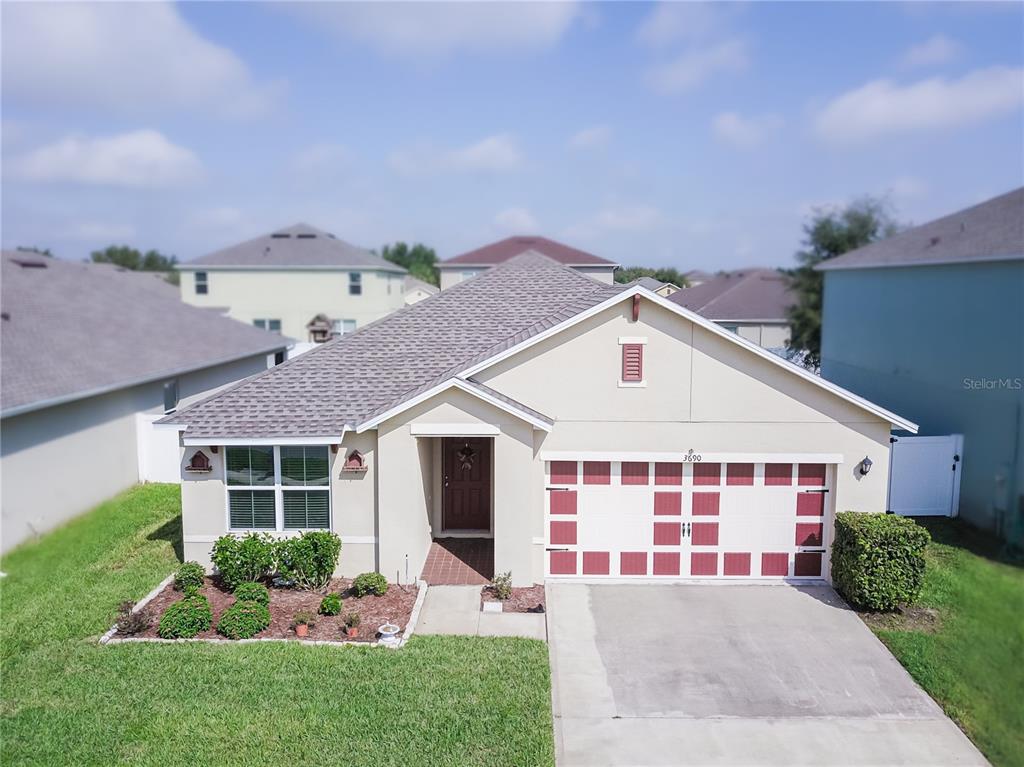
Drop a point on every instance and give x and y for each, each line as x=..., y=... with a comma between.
x=459, y=561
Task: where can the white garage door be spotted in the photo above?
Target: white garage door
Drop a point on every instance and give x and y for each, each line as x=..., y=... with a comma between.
x=669, y=519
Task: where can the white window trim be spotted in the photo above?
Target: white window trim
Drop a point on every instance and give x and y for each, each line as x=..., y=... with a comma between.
x=623, y=340
x=279, y=490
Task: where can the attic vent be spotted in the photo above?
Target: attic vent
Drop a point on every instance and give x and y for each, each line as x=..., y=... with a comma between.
x=280, y=235
x=306, y=236
x=29, y=263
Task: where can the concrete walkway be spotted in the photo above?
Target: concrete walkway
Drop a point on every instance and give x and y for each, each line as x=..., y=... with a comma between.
x=733, y=675
x=456, y=610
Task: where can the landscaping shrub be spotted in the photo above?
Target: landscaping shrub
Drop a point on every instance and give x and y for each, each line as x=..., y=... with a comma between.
x=243, y=559
x=190, y=577
x=330, y=604
x=132, y=623
x=878, y=559
x=502, y=585
x=186, y=618
x=370, y=583
x=252, y=592
x=352, y=620
x=243, y=620
x=309, y=559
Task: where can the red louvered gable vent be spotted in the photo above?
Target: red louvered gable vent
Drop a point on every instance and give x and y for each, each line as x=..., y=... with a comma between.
x=632, y=362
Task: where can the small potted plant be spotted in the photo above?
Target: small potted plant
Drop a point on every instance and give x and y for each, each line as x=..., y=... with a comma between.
x=352, y=621
x=302, y=622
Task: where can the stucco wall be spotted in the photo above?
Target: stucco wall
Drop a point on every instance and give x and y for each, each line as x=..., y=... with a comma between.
x=916, y=340
x=767, y=335
x=296, y=296
x=60, y=461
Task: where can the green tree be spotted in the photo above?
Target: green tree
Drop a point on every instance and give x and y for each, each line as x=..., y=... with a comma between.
x=137, y=261
x=419, y=260
x=828, y=234
x=662, y=274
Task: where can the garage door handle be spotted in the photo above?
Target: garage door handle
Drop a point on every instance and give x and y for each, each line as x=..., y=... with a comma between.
x=557, y=549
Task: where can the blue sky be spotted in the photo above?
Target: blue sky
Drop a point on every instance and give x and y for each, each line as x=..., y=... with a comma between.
x=689, y=135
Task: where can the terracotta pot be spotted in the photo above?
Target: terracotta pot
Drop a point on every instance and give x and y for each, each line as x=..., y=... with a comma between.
x=351, y=631
x=302, y=630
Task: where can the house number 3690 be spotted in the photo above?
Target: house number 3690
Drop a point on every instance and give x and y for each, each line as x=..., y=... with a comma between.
x=691, y=457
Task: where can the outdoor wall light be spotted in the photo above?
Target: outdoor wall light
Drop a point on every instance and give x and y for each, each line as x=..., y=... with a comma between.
x=865, y=466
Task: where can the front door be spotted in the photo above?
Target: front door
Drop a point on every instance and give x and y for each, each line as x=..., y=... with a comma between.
x=467, y=484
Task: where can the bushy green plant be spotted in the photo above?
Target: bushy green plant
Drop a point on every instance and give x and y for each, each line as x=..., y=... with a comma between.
x=252, y=592
x=248, y=558
x=303, y=618
x=186, y=618
x=370, y=583
x=243, y=620
x=878, y=559
x=190, y=577
x=330, y=604
x=309, y=558
x=502, y=585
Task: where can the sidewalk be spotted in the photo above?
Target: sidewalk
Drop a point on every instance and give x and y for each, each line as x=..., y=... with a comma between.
x=456, y=610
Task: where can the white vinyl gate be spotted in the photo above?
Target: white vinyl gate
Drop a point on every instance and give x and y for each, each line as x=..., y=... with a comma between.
x=924, y=475
x=677, y=519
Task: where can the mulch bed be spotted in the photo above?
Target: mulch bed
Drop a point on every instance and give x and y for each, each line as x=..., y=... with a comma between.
x=924, y=619
x=524, y=599
x=394, y=607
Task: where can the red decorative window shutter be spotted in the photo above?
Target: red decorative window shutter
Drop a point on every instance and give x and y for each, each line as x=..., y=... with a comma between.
x=632, y=362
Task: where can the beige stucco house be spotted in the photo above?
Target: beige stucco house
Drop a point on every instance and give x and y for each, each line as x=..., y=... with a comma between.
x=577, y=429
x=282, y=280
x=91, y=355
x=467, y=265
x=753, y=303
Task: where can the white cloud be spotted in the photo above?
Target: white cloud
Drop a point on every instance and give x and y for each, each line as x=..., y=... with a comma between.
x=669, y=22
x=882, y=107
x=744, y=132
x=498, y=153
x=436, y=29
x=127, y=57
x=695, y=66
x=143, y=158
x=516, y=221
x=593, y=137
x=935, y=50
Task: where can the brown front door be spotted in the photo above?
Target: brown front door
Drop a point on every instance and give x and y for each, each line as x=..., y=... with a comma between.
x=467, y=484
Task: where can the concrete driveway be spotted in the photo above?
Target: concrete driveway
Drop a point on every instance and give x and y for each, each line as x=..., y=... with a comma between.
x=733, y=675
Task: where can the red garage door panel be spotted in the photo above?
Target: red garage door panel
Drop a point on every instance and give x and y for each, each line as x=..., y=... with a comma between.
x=626, y=517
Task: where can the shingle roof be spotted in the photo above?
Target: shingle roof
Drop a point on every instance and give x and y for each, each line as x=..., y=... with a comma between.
x=992, y=230
x=745, y=295
x=503, y=250
x=648, y=282
x=296, y=246
x=411, y=283
x=358, y=376
x=73, y=329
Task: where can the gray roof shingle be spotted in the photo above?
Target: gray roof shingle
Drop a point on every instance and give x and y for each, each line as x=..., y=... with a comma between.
x=358, y=376
x=745, y=295
x=989, y=231
x=296, y=246
x=502, y=250
x=70, y=329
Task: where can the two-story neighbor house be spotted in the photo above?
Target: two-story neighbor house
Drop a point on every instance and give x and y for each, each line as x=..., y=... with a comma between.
x=930, y=322
x=283, y=280
x=560, y=426
x=92, y=354
x=465, y=265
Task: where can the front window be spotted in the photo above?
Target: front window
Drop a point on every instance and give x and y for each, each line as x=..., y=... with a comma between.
x=274, y=326
x=170, y=395
x=202, y=287
x=468, y=274
x=355, y=283
x=278, y=488
x=340, y=327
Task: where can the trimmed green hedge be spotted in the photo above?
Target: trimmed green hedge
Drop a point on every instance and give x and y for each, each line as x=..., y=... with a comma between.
x=244, y=620
x=878, y=559
x=186, y=618
x=252, y=592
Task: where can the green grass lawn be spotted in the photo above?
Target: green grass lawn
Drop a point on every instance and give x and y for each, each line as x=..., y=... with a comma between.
x=64, y=699
x=973, y=664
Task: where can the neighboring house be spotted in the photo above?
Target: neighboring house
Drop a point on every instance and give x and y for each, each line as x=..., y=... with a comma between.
x=696, y=276
x=417, y=290
x=90, y=352
x=458, y=268
x=931, y=322
x=750, y=302
x=575, y=429
x=283, y=280
x=663, y=289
